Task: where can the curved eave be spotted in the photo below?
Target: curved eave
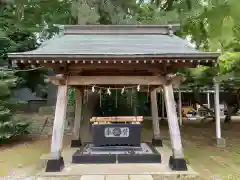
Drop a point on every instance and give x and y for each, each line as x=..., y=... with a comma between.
x=204, y=55
x=208, y=59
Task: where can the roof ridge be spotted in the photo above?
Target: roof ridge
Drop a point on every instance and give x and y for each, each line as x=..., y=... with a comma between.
x=120, y=29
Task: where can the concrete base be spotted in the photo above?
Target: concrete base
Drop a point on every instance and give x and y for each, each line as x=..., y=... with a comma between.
x=55, y=165
x=177, y=164
x=161, y=170
x=76, y=143
x=91, y=154
x=221, y=143
x=157, y=142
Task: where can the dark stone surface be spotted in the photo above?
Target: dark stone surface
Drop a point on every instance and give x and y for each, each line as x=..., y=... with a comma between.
x=76, y=143
x=157, y=142
x=155, y=157
x=177, y=164
x=83, y=157
x=139, y=158
x=80, y=158
x=55, y=165
x=134, y=138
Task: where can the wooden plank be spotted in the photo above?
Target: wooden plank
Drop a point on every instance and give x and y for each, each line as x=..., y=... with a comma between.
x=154, y=108
x=117, y=66
x=122, y=117
x=78, y=113
x=117, y=119
x=104, y=122
x=116, y=80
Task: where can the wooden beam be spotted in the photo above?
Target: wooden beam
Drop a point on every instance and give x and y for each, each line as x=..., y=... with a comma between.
x=159, y=66
x=59, y=79
x=155, y=121
x=174, y=79
x=112, y=72
x=78, y=113
x=119, y=66
x=117, y=119
x=115, y=80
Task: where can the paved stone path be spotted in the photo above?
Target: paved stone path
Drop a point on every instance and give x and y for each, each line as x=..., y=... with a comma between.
x=99, y=177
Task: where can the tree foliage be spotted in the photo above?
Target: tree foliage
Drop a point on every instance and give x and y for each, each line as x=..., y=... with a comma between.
x=9, y=127
x=211, y=25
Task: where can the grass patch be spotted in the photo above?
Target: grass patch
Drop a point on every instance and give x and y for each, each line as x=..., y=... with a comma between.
x=200, y=151
x=198, y=145
x=22, y=154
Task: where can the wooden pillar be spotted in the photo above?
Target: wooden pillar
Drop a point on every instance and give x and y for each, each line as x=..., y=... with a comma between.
x=217, y=111
x=163, y=105
x=208, y=101
x=135, y=102
x=76, y=141
x=156, y=140
x=56, y=162
x=220, y=141
x=180, y=106
x=176, y=161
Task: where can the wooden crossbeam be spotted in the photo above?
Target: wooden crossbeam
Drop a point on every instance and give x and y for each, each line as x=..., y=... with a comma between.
x=115, y=80
x=117, y=119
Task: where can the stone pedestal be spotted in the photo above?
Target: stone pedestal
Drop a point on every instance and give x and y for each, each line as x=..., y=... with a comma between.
x=90, y=154
x=177, y=164
x=221, y=143
x=55, y=165
x=116, y=134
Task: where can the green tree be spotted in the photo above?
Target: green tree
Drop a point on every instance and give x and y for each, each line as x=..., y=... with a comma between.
x=226, y=73
x=228, y=76
x=212, y=25
x=9, y=127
